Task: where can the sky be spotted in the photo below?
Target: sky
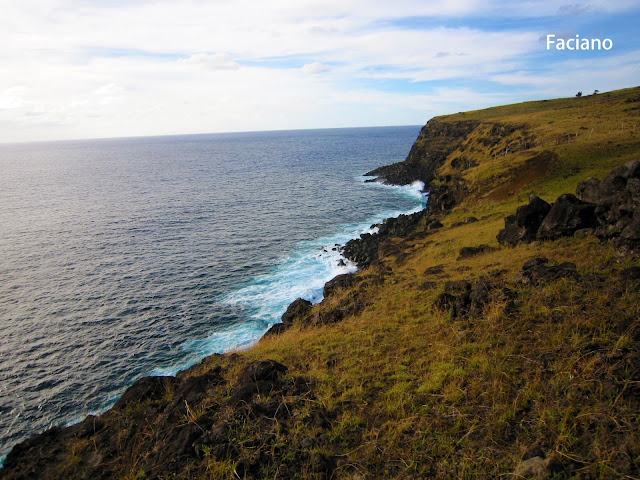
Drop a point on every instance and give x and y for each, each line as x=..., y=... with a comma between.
x=117, y=68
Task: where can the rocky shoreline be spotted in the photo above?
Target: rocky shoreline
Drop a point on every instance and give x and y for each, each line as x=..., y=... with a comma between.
x=364, y=251
x=608, y=209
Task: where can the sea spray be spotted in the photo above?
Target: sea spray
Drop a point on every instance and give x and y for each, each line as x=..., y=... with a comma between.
x=303, y=273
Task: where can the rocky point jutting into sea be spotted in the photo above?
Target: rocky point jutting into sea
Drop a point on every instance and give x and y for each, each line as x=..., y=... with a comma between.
x=495, y=333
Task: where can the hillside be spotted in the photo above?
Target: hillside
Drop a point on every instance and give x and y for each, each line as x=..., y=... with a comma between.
x=449, y=354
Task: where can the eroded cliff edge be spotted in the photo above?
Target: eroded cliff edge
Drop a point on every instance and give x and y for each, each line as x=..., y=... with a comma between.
x=437, y=139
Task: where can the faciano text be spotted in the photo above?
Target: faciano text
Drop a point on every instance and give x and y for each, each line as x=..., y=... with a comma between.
x=578, y=43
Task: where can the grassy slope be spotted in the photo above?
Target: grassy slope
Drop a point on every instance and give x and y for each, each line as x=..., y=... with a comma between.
x=411, y=393
x=415, y=394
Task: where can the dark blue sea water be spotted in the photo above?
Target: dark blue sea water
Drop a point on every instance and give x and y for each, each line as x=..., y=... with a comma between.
x=123, y=258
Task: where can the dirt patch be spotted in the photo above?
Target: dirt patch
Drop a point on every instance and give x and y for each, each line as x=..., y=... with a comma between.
x=533, y=169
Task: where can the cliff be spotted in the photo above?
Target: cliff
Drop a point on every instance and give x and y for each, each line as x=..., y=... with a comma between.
x=436, y=141
x=496, y=333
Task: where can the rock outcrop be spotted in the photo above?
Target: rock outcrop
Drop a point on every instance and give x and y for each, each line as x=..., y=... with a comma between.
x=468, y=252
x=337, y=283
x=364, y=250
x=538, y=271
x=298, y=310
x=617, y=198
x=523, y=226
x=567, y=215
x=463, y=298
x=257, y=377
x=619, y=188
x=609, y=208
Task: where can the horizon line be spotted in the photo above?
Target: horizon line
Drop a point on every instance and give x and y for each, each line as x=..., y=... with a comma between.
x=81, y=139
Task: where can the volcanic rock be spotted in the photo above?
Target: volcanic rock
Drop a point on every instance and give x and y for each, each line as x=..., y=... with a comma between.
x=567, y=215
x=467, y=252
x=523, y=225
x=537, y=271
x=298, y=309
x=337, y=283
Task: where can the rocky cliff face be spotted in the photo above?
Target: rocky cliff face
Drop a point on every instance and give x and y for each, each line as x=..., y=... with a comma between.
x=436, y=141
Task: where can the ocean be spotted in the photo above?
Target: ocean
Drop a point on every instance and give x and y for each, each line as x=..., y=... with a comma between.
x=121, y=258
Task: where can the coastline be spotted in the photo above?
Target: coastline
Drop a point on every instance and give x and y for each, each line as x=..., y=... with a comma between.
x=491, y=321
x=367, y=228
x=263, y=294
x=377, y=230
x=163, y=305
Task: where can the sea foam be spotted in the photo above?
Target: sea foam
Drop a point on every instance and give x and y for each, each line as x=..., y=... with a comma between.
x=301, y=274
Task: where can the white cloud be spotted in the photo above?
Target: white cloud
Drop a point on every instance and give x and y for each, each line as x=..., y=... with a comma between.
x=79, y=69
x=573, y=9
x=217, y=61
x=108, y=89
x=17, y=90
x=314, y=68
x=12, y=97
x=8, y=102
